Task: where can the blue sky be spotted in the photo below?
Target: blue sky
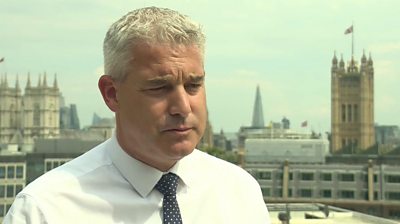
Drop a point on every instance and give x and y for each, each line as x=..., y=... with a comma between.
x=286, y=47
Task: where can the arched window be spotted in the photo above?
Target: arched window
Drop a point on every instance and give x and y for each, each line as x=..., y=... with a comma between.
x=12, y=116
x=36, y=114
x=349, y=115
x=51, y=117
x=343, y=113
x=355, y=113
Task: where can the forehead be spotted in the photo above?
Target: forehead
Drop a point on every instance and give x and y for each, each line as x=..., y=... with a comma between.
x=166, y=55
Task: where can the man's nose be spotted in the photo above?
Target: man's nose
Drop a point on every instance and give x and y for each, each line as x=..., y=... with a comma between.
x=179, y=102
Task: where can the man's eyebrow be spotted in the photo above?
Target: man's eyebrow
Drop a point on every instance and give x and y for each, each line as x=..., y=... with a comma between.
x=196, y=78
x=159, y=80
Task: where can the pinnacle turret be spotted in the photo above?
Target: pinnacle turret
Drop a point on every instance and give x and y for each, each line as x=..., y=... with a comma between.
x=370, y=62
x=363, y=58
x=341, y=62
x=28, y=82
x=17, y=83
x=55, y=84
x=334, y=60
x=45, y=80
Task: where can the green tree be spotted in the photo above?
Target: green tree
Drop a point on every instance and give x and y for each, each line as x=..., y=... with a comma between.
x=222, y=154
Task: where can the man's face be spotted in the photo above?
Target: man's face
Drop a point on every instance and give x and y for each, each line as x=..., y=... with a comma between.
x=161, y=105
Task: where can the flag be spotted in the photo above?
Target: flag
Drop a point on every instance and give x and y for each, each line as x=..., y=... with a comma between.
x=349, y=30
x=1, y=59
x=304, y=124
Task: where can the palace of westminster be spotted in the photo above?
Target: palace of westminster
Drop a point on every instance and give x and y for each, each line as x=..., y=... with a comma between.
x=289, y=166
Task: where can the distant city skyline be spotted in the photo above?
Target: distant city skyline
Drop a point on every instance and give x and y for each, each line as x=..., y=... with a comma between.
x=285, y=48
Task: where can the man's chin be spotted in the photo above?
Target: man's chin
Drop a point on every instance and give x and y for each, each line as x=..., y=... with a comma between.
x=181, y=150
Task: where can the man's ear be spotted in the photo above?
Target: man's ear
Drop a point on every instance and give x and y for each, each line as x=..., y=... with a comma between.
x=109, y=92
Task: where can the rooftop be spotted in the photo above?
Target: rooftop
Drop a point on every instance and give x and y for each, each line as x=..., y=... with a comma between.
x=302, y=213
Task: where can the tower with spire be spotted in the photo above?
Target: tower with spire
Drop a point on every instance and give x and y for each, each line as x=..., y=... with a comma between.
x=34, y=114
x=352, y=105
x=10, y=109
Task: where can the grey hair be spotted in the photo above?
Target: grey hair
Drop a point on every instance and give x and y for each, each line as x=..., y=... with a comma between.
x=150, y=25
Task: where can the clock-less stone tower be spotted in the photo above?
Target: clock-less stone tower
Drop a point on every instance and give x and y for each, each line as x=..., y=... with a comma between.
x=352, y=104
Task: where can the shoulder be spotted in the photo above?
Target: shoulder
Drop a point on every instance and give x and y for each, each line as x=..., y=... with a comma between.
x=222, y=170
x=69, y=174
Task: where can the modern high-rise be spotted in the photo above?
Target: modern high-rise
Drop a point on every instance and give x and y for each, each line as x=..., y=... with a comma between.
x=258, y=116
x=352, y=105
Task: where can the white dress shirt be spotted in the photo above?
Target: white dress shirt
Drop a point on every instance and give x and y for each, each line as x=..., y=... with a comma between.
x=106, y=185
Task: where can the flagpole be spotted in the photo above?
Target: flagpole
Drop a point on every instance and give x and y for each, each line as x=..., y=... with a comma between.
x=352, y=41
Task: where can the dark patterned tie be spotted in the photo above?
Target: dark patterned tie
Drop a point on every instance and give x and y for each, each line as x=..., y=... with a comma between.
x=167, y=186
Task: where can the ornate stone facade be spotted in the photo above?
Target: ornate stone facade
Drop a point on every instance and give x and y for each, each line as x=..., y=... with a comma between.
x=352, y=105
x=33, y=114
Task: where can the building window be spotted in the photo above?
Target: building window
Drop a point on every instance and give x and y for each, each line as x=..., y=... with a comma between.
x=326, y=193
x=346, y=194
x=343, y=142
x=18, y=188
x=279, y=176
x=393, y=178
x=2, y=210
x=305, y=193
x=51, y=108
x=394, y=214
x=264, y=175
x=20, y=171
x=290, y=192
x=291, y=176
x=355, y=142
x=266, y=191
x=375, y=178
x=278, y=192
x=393, y=196
x=349, y=115
x=8, y=206
x=11, y=172
x=355, y=113
x=343, y=113
x=36, y=114
x=347, y=177
x=10, y=191
x=365, y=195
x=2, y=191
x=307, y=176
x=2, y=172
x=48, y=166
x=326, y=176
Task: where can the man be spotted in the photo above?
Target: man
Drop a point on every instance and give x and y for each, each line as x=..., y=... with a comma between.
x=154, y=82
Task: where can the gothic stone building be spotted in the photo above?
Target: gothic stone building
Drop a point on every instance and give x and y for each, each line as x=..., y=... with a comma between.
x=352, y=105
x=29, y=115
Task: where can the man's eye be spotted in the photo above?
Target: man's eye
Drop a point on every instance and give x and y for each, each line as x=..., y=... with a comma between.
x=193, y=86
x=156, y=88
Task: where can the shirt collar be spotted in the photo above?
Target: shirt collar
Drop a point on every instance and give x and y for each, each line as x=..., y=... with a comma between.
x=141, y=176
x=188, y=168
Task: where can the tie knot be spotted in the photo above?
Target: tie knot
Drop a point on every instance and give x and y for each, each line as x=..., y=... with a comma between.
x=167, y=184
